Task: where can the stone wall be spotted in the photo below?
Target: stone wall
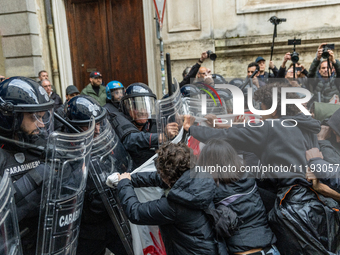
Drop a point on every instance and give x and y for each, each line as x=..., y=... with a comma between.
x=239, y=31
x=24, y=43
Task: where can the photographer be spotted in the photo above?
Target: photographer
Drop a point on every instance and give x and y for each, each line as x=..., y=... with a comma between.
x=323, y=81
x=194, y=70
x=301, y=72
x=252, y=67
x=263, y=75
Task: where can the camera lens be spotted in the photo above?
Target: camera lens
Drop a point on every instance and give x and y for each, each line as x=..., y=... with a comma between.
x=295, y=57
x=211, y=55
x=325, y=53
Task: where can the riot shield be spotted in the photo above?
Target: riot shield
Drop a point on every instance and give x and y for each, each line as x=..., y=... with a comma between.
x=169, y=110
x=211, y=107
x=107, y=157
x=66, y=171
x=9, y=228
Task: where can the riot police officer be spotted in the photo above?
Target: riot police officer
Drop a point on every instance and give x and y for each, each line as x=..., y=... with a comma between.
x=136, y=127
x=26, y=120
x=97, y=231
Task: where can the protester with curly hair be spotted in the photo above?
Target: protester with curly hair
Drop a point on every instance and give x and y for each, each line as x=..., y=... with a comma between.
x=184, y=226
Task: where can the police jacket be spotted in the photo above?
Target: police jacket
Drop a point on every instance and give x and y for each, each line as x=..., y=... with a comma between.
x=141, y=145
x=254, y=231
x=326, y=87
x=184, y=227
x=274, y=146
x=27, y=176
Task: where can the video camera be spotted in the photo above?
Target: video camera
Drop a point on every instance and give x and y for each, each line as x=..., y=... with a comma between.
x=294, y=56
x=275, y=20
x=325, y=53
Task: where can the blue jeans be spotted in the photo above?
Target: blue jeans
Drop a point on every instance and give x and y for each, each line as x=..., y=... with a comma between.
x=272, y=251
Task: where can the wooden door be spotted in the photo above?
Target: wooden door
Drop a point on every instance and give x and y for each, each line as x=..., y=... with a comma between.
x=107, y=36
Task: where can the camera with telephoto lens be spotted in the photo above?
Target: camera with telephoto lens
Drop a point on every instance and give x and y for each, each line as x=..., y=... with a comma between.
x=211, y=55
x=325, y=53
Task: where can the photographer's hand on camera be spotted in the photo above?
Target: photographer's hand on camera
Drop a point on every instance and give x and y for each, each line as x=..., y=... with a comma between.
x=331, y=57
x=285, y=59
x=203, y=57
x=320, y=50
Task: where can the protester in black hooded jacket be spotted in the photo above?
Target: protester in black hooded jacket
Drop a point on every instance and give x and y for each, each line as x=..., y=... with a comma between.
x=239, y=192
x=184, y=226
x=286, y=146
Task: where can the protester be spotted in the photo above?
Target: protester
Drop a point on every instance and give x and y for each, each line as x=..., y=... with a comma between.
x=184, y=226
x=247, y=202
x=263, y=141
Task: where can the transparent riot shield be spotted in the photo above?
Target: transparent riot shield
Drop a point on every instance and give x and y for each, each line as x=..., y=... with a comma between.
x=63, y=191
x=9, y=228
x=197, y=109
x=107, y=157
x=170, y=110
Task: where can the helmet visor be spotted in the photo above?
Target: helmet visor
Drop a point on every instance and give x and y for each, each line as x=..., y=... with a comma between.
x=36, y=126
x=140, y=108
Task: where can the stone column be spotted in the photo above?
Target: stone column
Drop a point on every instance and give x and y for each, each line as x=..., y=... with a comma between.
x=21, y=39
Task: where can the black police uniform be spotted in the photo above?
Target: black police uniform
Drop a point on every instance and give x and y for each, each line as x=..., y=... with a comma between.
x=18, y=95
x=97, y=231
x=141, y=145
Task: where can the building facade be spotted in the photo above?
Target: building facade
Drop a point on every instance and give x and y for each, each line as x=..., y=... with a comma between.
x=50, y=35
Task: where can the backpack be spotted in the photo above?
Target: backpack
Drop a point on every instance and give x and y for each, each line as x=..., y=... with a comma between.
x=225, y=220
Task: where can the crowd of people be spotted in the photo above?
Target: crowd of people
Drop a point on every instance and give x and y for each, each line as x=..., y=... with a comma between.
x=265, y=212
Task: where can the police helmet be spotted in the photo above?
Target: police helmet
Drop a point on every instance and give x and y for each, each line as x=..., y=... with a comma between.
x=190, y=90
x=139, y=102
x=114, y=87
x=236, y=82
x=26, y=111
x=81, y=108
x=218, y=79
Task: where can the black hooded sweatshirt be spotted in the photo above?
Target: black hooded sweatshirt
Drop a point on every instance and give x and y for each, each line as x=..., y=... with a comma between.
x=273, y=144
x=184, y=226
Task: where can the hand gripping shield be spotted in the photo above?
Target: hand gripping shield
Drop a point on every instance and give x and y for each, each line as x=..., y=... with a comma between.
x=107, y=157
x=170, y=110
x=63, y=191
x=9, y=228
